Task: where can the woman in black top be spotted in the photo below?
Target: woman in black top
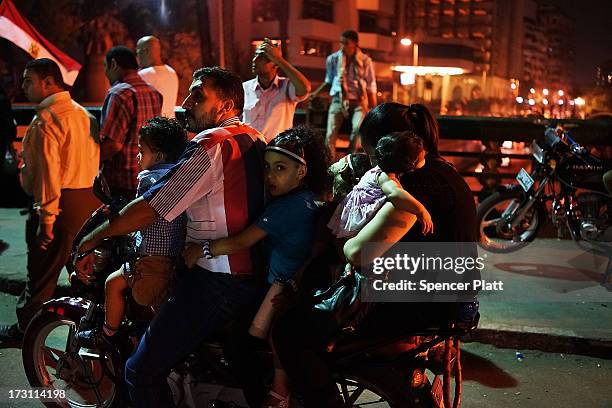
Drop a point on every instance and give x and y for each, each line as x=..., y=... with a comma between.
x=300, y=337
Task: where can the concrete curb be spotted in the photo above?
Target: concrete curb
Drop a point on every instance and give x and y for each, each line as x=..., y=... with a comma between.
x=551, y=343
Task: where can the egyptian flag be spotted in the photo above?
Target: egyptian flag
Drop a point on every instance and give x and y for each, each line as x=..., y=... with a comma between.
x=20, y=32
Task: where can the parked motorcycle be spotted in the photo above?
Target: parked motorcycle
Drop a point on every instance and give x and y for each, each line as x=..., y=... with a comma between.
x=565, y=185
x=379, y=372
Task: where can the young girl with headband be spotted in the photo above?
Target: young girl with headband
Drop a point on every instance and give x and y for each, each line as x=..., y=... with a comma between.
x=296, y=164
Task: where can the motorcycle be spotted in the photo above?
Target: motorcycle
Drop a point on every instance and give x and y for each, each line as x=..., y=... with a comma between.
x=381, y=372
x=565, y=185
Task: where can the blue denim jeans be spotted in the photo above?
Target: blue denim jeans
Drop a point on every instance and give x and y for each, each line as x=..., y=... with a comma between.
x=202, y=303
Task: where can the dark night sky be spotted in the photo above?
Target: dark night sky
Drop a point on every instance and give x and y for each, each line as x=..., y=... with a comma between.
x=593, y=36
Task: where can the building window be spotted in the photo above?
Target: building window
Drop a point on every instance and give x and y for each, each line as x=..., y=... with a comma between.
x=316, y=48
x=265, y=10
x=318, y=10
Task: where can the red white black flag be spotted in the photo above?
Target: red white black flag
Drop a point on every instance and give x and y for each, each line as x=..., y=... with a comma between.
x=20, y=32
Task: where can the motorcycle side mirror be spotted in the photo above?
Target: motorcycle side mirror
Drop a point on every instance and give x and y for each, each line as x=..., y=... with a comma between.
x=101, y=189
x=550, y=137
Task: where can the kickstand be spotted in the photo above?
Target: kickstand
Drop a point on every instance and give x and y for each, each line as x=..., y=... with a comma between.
x=607, y=281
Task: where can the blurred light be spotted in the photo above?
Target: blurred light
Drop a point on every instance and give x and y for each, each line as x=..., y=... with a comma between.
x=407, y=78
x=505, y=162
x=406, y=42
x=561, y=93
x=519, y=99
x=532, y=90
x=579, y=101
x=531, y=101
x=422, y=70
x=545, y=101
x=507, y=144
x=571, y=102
x=513, y=85
x=545, y=91
x=479, y=168
x=560, y=102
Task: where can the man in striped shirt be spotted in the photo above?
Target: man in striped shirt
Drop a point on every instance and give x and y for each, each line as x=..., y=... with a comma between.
x=218, y=182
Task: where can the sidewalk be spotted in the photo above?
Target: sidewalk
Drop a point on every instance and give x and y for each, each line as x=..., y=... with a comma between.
x=555, y=304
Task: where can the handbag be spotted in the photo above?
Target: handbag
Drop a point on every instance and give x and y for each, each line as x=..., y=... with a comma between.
x=343, y=300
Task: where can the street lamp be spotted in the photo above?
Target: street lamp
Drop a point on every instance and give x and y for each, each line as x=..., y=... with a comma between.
x=406, y=42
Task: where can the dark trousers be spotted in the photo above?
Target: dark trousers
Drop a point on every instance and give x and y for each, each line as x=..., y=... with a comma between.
x=44, y=265
x=202, y=303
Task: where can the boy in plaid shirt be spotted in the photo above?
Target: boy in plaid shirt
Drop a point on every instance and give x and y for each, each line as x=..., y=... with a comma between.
x=150, y=276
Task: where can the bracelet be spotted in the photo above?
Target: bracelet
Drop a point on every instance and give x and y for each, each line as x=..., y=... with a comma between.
x=206, y=253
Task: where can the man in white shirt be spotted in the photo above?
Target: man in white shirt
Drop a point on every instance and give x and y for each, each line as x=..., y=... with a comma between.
x=269, y=99
x=157, y=74
x=61, y=158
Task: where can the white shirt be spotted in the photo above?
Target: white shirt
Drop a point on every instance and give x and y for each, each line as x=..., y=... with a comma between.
x=164, y=79
x=270, y=110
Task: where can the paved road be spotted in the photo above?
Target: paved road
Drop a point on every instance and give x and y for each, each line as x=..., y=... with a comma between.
x=493, y=377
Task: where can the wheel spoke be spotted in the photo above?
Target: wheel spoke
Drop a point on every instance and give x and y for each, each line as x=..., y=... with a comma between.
x=489, y=223
x=356, y=394
x=52, y=356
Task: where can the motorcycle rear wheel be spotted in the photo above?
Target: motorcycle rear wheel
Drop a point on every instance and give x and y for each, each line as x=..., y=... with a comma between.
x=83, y=376
x=380, y=388
x=495, y=234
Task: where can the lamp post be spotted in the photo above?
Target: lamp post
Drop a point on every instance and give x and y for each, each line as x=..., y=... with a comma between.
x=407, y=42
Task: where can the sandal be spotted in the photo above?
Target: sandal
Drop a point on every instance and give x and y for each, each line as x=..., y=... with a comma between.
x=281, y=401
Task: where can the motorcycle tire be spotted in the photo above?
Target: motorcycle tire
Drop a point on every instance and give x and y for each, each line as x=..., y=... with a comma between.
x=36, y=354
x=489, y=204
x=390, y=384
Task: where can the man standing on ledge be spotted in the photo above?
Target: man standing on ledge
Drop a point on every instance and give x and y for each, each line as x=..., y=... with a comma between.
x=60, y=158
x=269, y=99
x=157, y=74
x=350, y=74
x=130, y=102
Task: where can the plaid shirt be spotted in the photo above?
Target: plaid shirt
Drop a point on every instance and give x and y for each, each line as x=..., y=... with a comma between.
x=162, y=238
x=128, y=104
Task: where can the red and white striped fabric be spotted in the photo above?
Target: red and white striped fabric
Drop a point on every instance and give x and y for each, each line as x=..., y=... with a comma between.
x=20, y=32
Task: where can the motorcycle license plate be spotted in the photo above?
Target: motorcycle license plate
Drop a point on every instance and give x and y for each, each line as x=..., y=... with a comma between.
x=524, y=179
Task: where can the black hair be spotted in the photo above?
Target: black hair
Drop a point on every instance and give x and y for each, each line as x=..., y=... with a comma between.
x=359, y=165
x=392, y=117
x=164, y=135
x=46, y=67
x=226, y=84
x=125, y=57
x=397, y=152
x=309, y=144
x=350, y=35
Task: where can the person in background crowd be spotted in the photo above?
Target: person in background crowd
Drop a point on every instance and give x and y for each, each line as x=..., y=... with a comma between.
x=218, y=182
x=129, y=103
x=61, y=160
x=157, y=74
x=351, y=77
x=270, y=99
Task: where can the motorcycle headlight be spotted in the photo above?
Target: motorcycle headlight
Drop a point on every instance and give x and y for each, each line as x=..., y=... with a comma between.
x=537, y=152
x=101, y=258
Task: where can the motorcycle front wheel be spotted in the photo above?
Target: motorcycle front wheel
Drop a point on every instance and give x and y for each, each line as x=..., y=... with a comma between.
x=495, y=216
x=82, y=378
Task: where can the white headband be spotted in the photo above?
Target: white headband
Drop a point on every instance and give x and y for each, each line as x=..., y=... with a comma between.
x=287, y=153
